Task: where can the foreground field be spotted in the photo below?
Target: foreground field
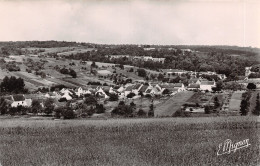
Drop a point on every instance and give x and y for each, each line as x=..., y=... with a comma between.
x=167, y=141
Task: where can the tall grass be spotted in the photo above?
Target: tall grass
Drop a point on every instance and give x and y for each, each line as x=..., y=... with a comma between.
x=167, y=141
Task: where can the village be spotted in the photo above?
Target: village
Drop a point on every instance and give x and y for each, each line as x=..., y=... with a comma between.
x=199, y=90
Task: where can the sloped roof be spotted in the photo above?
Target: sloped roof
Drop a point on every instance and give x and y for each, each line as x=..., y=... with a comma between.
x=143, y=89
x=193, y=80
x=129, y=88
x=148, y=90
x=207, y=83
x=137, y=86
x=194, y=86
x=18, y=97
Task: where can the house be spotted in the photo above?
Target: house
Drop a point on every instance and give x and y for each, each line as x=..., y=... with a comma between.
x=207, y=85
x=104, y=73
x=53, y=95
x=144, y=88
x=136, y=88
x=172, y=87
x=195, y=81
x=67, y=95
x=193, y=87
x=18, y=100
x=128, y=90
x=101, y=92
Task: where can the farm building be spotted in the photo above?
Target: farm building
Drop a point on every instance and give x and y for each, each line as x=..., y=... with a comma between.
x=207, y=85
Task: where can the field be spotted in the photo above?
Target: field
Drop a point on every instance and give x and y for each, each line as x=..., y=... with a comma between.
x=168, y=141
x=235, y=101
x=169, y=107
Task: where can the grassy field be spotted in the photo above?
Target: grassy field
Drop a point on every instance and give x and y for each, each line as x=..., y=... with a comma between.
x=235, y=101
x=167, y=141
x=169, y=107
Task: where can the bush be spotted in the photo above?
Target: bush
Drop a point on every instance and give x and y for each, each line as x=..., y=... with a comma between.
x=148, y=96
x=62, y=99
x=141, y=112
x=207, y=109
x=100, y=108
x=113, y=97
x=130, y=95
x=68, y=114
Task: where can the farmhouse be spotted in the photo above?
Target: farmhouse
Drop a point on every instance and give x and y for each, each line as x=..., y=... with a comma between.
x=193, y=87
x=18, y=100
x=207, y=85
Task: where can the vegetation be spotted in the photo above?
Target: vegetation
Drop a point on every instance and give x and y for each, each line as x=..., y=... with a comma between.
x=47, y=142
x=245, y=103
x=13, y=85
x=256, y=110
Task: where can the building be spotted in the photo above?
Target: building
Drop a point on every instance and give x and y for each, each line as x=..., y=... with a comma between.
x=207, y=85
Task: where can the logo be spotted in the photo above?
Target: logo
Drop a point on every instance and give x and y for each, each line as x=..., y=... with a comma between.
x=228, y=146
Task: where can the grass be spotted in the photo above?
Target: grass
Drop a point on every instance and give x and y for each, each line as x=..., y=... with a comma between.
x=169, y=107
x=235, y=101
x=168, y=141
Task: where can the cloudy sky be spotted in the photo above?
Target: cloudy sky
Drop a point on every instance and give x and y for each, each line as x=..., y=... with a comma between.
x=206, y=22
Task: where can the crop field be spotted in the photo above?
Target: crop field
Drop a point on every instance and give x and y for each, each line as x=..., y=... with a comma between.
x=235, y=101
x=169, y=107
x=167, y=141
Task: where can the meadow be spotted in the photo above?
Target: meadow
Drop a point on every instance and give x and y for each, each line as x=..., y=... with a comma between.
x=155, y=141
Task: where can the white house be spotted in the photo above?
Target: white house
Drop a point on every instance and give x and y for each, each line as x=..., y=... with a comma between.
x=18, y=100
x=207, y=85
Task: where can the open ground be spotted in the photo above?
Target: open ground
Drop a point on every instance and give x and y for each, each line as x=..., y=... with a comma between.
x=156, y=141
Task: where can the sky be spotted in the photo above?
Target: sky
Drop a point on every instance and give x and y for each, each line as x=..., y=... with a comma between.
x=165, y=22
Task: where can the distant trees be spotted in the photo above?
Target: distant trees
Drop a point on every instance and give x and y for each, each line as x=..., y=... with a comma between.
x=12, y=85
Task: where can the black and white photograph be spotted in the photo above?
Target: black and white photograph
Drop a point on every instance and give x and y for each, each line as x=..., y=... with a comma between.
x=129, y=82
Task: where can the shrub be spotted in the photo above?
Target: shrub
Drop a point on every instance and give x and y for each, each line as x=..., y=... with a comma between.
x=148, y=96
x=113, y=97
x=68, y=113
x=100, y=108
x=141, y=112
x=207, y=109
x=62, y=99
x=130, y=95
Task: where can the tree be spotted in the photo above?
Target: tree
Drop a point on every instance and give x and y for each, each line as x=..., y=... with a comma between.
x=68, y=113
x=216, y=102
x=243, y=107
x=160, y=77
x=256, y=111
x=73, y=73
x=166, y=92
x=141, y=72
x=3, y=106
x=36, y=106
x=219, y=86
x=151, y=111
x=251, y=86
x=130, y=95
x=93, y=64
x=207, y=109
x=100, y=108
x=113, y=97
x=49, y=106
x=141, y=112
x=12, y=84
x=90, y=100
